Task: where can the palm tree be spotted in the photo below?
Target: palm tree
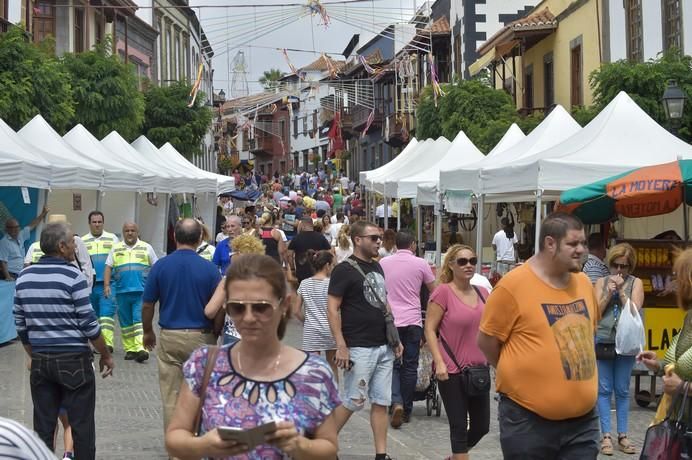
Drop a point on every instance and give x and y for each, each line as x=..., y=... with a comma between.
x=270, y=78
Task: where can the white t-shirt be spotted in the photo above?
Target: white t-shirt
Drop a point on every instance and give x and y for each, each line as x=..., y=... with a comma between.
x=481, y=281
x=504, y=245
x=344, y=183
x=334, y=232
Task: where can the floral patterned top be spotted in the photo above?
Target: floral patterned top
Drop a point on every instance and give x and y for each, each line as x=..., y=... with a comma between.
x=306, y=397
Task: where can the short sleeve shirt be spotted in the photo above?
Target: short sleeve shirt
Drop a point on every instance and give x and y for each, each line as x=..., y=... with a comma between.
x=547, y=360
x=12, y=250
x=362, y=320
x=405, y=275
x=301, y=244
x=504, y=245
x=306, y=397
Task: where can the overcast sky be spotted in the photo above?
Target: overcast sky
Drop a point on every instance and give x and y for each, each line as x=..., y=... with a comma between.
x=266, y=28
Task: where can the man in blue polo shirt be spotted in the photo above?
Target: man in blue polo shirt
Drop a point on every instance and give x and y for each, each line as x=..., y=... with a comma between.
x=222, y=254
x=182, y=283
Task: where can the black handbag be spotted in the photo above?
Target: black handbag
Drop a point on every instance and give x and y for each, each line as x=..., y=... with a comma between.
x=605, y=351
x=475, y=379
x=668, y=440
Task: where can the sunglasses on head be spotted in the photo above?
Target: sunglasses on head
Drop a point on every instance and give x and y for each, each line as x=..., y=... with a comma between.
x=373, y=238
x=620, y=266
x=463, y=261
x=260, y=308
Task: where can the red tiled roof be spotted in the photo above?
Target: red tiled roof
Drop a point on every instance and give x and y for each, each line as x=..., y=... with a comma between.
x=440, y=26
x=538, y=20
x=321, y=64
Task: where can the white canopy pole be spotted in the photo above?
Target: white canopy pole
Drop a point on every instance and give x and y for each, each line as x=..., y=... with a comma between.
x=479, y=231
x=137, y=208
x=438, y=233
x=398, y=214
x=384, y=203
x=539, y=218
x=419, y=228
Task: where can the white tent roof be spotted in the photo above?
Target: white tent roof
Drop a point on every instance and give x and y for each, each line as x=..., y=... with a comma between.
x=512, y=137
x=203, y=183
x=129, y=178
x=19, y=166
x=460, y=152
x=620, y=138
x=478, y=178
x=86, y=174
x=181, y=182
x=366, y=177
x=223, y=183
x=424, y=157
x=125, y=153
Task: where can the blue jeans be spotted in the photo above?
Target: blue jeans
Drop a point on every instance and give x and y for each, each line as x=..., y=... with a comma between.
x=405, y=371
x=614, y=376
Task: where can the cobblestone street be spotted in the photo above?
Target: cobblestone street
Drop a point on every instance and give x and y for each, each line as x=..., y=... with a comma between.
x=129, y=423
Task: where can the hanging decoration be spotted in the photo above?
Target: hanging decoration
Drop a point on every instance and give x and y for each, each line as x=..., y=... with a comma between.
x=437, y=89
x=336, y=142
x=195, y=87
x=317, y=9
x=331, y=69
x=371, y=118
x=288, y=62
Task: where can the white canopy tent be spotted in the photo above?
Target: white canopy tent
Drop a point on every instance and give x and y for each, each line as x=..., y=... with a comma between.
x=366, y=176
x=223, y=183
x=512, y=137
x=84, y=142
x=18, y=164
x=180, y=180
x=424, y=184
x=620, y=138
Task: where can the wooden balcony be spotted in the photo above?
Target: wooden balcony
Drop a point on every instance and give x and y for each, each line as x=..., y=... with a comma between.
x=360, y=117
x=262, y=144
x=398, y=136
x=4, y=25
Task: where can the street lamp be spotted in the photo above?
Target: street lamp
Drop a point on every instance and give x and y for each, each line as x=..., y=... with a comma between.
x=674, y=104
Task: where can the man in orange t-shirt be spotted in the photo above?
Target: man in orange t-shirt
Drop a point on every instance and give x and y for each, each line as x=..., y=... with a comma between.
x=538, y=331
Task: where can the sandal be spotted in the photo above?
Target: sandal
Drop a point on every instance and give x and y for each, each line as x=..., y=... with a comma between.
x=625, y=445
x=607, y=445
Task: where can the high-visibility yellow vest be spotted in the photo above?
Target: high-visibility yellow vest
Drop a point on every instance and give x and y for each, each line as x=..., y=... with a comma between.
x=35, y=251
x=99, y=248
x=130, y=266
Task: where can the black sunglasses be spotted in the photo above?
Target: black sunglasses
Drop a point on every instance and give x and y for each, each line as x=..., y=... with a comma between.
x=620, y=266
x=463, y=261
x=262, y=309
x=373, y=238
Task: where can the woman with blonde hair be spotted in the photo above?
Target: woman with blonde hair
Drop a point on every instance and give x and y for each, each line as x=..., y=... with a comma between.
x=677, y=363
x=451, y=327
x=344, y=245
x=205, y=248
x=614, y=292
x=257, y=380
x=241, y=244
x=271, y=238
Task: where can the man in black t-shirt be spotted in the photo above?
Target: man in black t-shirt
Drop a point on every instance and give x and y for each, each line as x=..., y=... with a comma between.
x=299, y=246
x=357, y=323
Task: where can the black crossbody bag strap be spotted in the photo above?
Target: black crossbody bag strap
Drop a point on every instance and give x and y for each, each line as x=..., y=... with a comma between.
x=354, y=264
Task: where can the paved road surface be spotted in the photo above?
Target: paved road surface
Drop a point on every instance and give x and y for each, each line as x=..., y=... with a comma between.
x=129, y=426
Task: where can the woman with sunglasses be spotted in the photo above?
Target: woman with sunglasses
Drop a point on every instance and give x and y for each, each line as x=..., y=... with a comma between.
x=451, y=326
x=257, y=380
x=614, y=370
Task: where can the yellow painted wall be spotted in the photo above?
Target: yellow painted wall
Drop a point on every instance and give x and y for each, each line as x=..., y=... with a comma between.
x=582, y=21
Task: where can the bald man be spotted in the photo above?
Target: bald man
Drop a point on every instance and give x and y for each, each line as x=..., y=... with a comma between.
x=12, y=249
x=129, y=263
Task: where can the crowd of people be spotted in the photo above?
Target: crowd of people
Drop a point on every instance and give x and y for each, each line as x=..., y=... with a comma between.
x=367, y=302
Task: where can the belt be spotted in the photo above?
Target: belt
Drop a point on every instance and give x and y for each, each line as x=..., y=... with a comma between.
x=202, y=331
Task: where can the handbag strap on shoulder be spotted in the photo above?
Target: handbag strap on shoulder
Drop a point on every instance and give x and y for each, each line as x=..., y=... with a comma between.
x=208, y=368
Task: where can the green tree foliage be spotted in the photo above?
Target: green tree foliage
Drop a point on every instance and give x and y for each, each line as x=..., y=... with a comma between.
x=32, y=81
x=482, y=112
x=167, y=118
x=645, y=83
x=270, y=78
x=106, y=92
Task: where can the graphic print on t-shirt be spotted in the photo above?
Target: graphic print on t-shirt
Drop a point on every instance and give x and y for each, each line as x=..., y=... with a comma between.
x=570, y=324
x=374, y=280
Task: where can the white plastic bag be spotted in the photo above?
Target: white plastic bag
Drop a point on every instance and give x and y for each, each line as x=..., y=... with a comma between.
x=629, y=336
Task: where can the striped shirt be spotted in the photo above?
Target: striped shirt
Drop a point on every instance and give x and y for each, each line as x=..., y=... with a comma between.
x=317, y=336
x=18, y=442
x=595, y=268
x=52, y=311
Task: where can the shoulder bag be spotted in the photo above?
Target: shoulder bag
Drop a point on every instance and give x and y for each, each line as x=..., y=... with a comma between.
x=208, y=368
x=391, y=331
x=475, y=379
x=667, y=439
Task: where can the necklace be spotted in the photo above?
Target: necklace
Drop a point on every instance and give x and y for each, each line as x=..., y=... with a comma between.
x=276, y=364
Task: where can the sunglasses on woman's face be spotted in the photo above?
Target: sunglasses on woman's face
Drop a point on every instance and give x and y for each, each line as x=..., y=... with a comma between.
x=620, y=266
x=463, y=261
x=262, y=309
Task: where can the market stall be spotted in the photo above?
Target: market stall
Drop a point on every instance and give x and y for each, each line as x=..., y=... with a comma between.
x=650, y=191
